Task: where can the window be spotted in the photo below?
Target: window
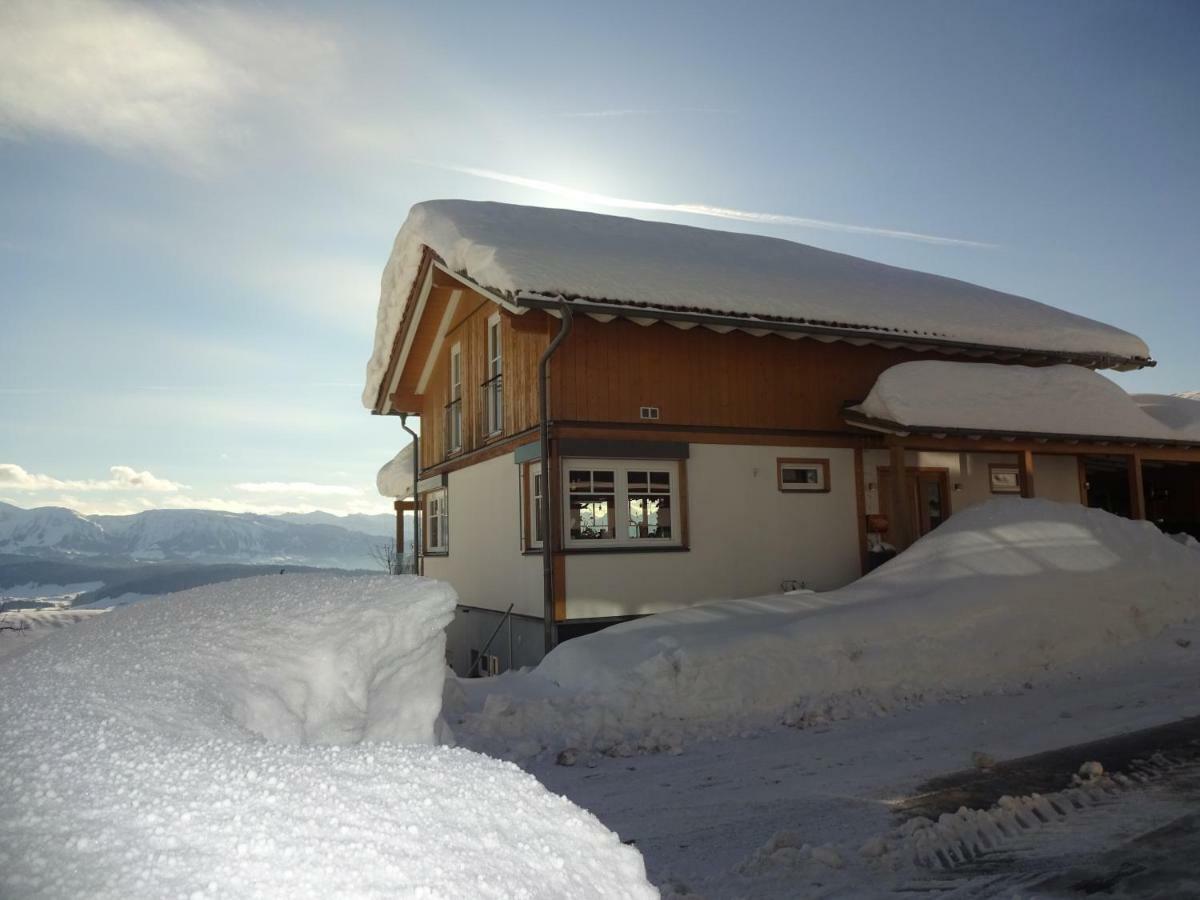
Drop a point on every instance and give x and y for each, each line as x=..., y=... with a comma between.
x=454, y=407
x=592, y=500
x=493, y=393
x=621, y=503
x=649, y=504
x=437, y=522
x=804, y=475
x=534, y=485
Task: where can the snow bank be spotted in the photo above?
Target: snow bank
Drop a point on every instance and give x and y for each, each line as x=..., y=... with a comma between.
x=1001, y=592
x=165, y=749
x=510, y=249
x=1065, y=400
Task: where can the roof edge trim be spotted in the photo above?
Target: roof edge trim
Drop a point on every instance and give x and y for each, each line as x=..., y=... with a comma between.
x=784, y=326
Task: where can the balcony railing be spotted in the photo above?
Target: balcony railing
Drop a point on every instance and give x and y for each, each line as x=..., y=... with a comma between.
x=491, y=405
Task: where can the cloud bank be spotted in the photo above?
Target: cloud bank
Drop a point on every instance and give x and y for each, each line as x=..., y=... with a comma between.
x=121, y=478
x=128, y=78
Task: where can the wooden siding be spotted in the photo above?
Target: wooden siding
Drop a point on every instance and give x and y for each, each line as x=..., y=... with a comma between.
x=607, y=372
x=520, y=349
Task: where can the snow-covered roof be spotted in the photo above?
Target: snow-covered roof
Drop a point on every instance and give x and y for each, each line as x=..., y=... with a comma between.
x=514, y=251
x=1061, y=401
x=1178, y=411
x=395, y=479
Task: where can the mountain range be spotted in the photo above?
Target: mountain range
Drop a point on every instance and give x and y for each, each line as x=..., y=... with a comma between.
x=196, y=535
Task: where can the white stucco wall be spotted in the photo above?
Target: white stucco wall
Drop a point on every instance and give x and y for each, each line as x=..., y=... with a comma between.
x=1055, y=477
x=485, y=565
x=745, y=538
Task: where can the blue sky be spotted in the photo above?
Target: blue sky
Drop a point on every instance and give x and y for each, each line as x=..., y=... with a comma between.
x=199, y=199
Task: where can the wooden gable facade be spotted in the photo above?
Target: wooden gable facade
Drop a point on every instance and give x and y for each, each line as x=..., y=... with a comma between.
x=699, y=381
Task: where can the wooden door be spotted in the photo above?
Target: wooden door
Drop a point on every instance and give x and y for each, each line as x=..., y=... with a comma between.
x=928, y=498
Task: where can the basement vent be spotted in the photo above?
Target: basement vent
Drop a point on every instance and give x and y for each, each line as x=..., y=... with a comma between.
x=649, y=412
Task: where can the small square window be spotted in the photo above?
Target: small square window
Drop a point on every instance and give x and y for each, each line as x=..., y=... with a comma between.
x=804, y=475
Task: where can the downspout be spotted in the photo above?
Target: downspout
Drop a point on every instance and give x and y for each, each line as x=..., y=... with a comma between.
x=417, y=567
x=549, y=483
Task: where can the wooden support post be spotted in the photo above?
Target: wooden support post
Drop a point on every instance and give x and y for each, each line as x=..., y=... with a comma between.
x=1025, y=463
x=900, y=525
x=1137, y=490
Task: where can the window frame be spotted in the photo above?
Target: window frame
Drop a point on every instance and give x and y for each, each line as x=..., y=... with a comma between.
x=441, y=497
x=493, y=396
x=454, y=405
x=620, y=540
x=820, y=463
x=530, y=506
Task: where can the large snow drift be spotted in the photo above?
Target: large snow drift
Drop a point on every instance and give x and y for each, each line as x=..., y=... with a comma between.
x=511, y=249
x=1060, y=400
x=1002, y=592
x=167, y=749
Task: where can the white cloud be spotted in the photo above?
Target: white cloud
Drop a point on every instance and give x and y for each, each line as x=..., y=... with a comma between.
x=627, y=113
x=121, y=478
x=303, y=488
x=131, y=78
x=368, y=506
x=121, y=505
x=696, y=209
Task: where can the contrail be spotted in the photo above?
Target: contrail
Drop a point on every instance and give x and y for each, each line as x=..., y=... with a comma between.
x=697, y=209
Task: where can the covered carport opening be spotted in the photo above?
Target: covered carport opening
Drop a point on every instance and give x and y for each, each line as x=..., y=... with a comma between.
x=1107, y=483
x=1172, y=495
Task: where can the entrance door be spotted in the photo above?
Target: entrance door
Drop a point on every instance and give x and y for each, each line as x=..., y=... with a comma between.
x=928, y=497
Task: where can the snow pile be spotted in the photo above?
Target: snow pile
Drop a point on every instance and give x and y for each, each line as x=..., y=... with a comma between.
x=1061, y=400
x=1001, y=592
x=510, y=249
x=166, y=749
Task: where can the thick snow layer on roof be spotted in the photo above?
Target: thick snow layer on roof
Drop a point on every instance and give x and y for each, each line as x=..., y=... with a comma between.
x=395, y=479
x=1001, y=592
x=239, y=740
x=512, y=249
x=1180, y=412
x=1057, y=400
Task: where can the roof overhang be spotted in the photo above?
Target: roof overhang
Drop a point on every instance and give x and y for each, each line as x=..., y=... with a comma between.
x=607, y=310
x=886, y=426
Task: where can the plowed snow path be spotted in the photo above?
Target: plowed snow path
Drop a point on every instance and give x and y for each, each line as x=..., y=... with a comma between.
x=698, y=816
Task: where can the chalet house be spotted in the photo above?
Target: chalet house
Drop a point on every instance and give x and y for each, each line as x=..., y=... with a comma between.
x=722, y=415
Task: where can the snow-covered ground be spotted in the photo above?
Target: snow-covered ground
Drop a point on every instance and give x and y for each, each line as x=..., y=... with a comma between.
x=255, y=737
x=272, y=737
x=702, y=817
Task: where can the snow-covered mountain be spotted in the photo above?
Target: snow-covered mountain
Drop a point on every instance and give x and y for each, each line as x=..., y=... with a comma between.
x=193, y=534
x=382, y=525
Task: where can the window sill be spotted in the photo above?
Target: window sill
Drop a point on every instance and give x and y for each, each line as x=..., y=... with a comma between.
x=435, y=554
